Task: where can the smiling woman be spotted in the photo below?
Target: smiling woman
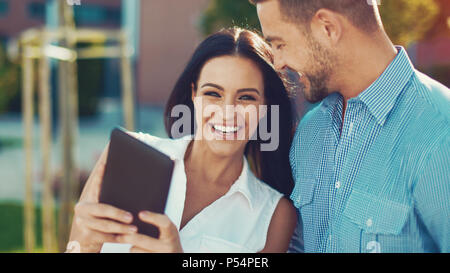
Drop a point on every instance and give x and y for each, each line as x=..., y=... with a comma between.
x=226, y=193
x=241, y=62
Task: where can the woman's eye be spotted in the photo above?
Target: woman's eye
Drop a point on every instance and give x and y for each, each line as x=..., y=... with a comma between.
x=279, y=47
x=247, y=97
x=212, y=93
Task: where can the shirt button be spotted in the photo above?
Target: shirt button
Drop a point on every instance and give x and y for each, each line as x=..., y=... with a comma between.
x=338, y=184
x=369, y=222
x=350, y=129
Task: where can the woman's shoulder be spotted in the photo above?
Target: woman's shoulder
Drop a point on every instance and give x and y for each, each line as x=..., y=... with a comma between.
x=266, y=194
x=279, y=217
x=281, y=228
x=262, y=190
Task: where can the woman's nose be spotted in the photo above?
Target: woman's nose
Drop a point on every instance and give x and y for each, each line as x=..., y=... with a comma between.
x=226, y=112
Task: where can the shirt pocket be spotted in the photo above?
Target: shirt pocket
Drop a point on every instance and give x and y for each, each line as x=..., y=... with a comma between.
x=380, y=221
x=303, y=192
x=210, y=244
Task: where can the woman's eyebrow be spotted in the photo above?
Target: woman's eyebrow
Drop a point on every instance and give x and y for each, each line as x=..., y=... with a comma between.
x=213, y=85
x=248, y=90
x=223, y=89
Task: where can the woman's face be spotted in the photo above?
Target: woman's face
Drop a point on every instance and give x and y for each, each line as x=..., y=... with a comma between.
x=229, y=91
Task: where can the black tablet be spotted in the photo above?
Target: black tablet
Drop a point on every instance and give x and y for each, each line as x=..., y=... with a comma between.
x=137, y=177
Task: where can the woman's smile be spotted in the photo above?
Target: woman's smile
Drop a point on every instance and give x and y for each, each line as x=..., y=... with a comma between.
x=227, y=132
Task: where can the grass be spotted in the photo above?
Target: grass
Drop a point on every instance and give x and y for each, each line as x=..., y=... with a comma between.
x=11, y=227
x=10, y=142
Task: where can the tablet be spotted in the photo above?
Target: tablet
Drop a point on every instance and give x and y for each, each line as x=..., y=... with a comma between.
x=137, y=177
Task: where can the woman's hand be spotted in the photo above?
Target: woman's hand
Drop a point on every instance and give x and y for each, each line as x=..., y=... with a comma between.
x=168, y=241
x=94, y=223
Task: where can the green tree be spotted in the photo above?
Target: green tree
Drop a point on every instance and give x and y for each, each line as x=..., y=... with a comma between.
x=227, y=13
x=407, y=21
x=9, y=81
x=404, y=20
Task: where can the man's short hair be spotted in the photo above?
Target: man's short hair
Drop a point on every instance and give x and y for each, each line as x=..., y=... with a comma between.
x=361, y=13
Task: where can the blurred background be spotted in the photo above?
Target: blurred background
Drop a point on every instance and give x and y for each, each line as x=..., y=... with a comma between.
x=72, y=70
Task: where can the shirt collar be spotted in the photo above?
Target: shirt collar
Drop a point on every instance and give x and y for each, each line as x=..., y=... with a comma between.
x=243, y=185
x=180, y=146
x=328, y=104
x=381, y=95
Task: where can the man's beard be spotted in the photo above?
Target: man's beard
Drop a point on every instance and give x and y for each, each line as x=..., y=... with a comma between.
x=321, y=64
x=318, y=89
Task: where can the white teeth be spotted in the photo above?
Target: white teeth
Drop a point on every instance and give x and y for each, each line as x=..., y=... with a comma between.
x=226, y=129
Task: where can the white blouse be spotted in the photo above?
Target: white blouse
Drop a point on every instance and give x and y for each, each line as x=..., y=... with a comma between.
x=236, y=222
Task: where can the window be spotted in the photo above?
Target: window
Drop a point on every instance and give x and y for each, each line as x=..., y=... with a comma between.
x=97, y=15
x=36, y=10
x=4, y=7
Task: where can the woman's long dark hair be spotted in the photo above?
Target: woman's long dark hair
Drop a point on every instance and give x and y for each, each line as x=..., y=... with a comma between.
x=272, y=167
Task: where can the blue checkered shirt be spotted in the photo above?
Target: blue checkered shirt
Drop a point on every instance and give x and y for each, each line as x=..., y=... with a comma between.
x=381, y=182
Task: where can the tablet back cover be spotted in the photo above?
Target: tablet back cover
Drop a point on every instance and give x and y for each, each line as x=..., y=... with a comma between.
x=137, y=177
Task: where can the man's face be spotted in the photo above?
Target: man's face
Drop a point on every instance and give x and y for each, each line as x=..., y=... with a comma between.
x=295, y=48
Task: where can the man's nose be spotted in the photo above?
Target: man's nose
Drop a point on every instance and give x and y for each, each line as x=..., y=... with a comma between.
x=279, y=62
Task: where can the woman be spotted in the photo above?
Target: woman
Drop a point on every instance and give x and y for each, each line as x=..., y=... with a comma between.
x=218, y=201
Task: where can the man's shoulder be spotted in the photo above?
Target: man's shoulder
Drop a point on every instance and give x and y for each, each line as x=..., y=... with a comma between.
x=424, y=117
x=310, y=118
x=435, y=97
x=429, y=114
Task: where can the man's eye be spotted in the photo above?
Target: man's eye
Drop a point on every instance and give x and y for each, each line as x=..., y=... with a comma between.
x=212, y=93
x=279, y=47
x=247, y=97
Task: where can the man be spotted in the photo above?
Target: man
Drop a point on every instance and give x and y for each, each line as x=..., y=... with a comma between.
x=372, y=161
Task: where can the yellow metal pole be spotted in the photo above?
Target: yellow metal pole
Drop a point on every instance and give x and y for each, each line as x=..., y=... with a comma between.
x=37, y=45
x=69, y=124
x=64, y=213
x=48, y=206
x=71, y=38
x=27, y=110
x=127, y=85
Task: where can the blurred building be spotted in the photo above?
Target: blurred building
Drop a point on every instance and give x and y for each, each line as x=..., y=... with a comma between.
x=168, y=36
x=167, y=33
x=434, y=49
x=19, y=15
x=99, y=13
x=432, y=53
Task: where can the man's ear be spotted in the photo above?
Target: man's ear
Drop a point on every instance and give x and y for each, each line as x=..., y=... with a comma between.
x=327, y=26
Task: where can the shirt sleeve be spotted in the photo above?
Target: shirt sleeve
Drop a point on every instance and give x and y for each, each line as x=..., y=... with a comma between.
x=432, y=192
